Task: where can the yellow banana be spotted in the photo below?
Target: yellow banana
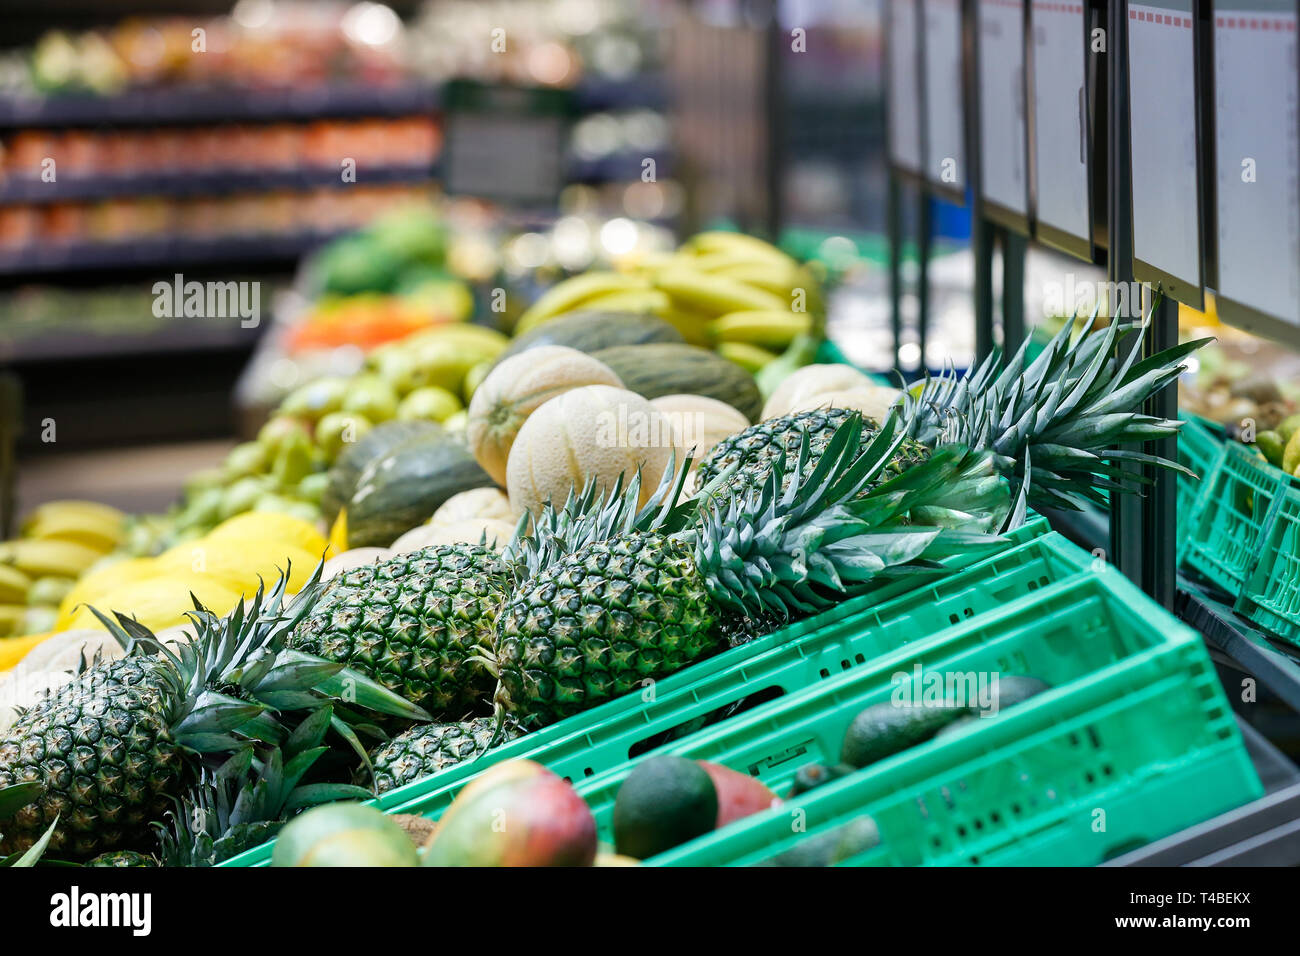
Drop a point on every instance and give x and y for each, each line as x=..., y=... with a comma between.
x=693, y=326
x=572, y=293
x=70, y=507
x=785, y=283
x=36, y=557
x=768, y=329
x=704, y=243
x=751, y=358
x=638, y=300
x=14, y=649
x=714, y=295
x=88, y=528
x=13, y=585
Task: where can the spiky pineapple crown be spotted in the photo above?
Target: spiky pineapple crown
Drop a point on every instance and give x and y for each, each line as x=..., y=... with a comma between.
x=230, y=682
x=246, y=800
x=831, y=531
x=1055, y=423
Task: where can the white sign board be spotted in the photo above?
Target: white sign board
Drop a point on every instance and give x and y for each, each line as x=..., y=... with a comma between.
x=904, y=87
x=1061, y=117
x=945, y=115
x=1257, y=150
x=1002, y=103
x=1162, y=120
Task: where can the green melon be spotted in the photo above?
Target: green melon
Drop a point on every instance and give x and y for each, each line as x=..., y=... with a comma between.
x=592, y=331
x=668, y=369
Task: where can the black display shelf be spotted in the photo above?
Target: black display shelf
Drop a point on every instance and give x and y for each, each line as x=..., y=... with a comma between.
x=623, y=166
x=158, y=253
x=204, y=105
x=181, y=184
x=73, y=343
x=1268, y=660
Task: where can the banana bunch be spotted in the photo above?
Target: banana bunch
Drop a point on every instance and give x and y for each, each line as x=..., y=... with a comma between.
x=60, y=541
x=738, y=294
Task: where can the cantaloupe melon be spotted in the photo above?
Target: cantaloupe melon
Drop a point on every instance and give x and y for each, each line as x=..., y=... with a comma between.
x=811, y=380
x=874, y=401
x=475, y=503
x=596, y=432
x=699, y=422
x=515, y=389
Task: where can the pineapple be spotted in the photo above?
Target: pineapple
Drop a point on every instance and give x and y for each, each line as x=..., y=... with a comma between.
x=658, y=591
x=412, y=622
x=111, y=750
x=1064, y=412
x=753, y=450
x=426, y=749
x=246, y=800
x=122, y=858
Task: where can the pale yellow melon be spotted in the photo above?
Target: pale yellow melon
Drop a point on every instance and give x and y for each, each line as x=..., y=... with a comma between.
x=353, y=558
x=699, y=422
x=596, y=432
x=873, y=401
x=811, y=380
x=518, y=387
x=475, y=503
x=467, y=531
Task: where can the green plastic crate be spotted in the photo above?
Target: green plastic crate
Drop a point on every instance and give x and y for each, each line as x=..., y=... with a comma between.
x=1271, y=594
x=1135, y=727
x=790, y=658
x=1201, y=451
x=1233, y=517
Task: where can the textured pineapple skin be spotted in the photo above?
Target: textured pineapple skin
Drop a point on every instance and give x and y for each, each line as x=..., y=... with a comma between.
x=122, y=858
x=599, y=623
x=102, y=750
x=426, y=749
x=758, y=446
x=411, y=623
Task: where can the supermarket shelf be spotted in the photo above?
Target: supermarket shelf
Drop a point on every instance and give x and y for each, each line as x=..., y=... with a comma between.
x=159, y=253
x=83, y=188
x=1265, y=832
x=196, y=105
x=624, y=166
x=1251, y=649
x=80, y=342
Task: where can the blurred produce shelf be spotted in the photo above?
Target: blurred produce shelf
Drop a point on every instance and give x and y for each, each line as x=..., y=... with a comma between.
x=204, y=184
x=160, y=253
x=195, y=105
x=60, y=344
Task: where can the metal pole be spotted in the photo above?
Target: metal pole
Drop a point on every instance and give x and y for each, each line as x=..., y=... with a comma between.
x=894, y=235
x=982, y=233
x=1127, y=546
x=774, y=97
x=1013, y=290
x=1160, y=507
x=924, y=240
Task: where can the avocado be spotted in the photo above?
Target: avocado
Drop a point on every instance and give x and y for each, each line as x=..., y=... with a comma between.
x=664, y=802
x=885, y=729
x=1016, y=688
x=354, y=264
x=834, y=846
x=955, y=726
x=815, y=774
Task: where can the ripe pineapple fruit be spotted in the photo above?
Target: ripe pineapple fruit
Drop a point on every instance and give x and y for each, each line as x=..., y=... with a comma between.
x=655, y=589
x=114, y=748
x=1065, y=412
x=426, y=749
x=798, y=513
x=412, y=623
x=753, y=450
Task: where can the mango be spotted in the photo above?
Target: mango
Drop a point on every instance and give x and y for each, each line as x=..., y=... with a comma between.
x=517, y=814
x=739, y=794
